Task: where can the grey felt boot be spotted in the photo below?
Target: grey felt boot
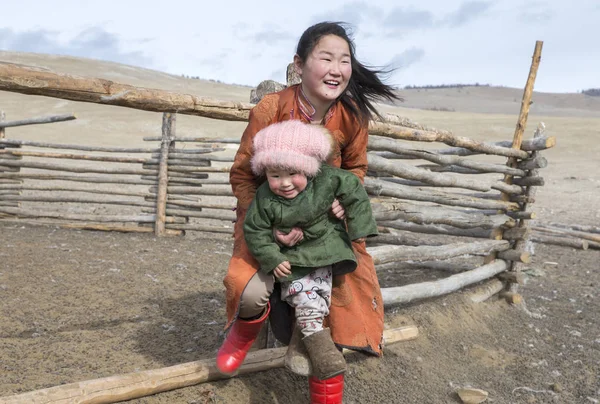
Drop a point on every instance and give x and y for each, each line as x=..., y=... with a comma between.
x=326, y=360
x=296, y=358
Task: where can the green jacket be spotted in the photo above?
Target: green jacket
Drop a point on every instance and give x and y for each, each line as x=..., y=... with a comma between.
x=326, y=241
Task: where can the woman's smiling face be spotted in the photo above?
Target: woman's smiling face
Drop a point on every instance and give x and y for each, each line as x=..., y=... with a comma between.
x=326, y=71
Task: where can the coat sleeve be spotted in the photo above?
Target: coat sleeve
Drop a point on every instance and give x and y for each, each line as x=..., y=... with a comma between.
x=354, y=153
x=242, y=180
x=258, y=232
x=359, y=215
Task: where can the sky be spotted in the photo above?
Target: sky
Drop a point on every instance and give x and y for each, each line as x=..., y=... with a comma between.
x=425, y=42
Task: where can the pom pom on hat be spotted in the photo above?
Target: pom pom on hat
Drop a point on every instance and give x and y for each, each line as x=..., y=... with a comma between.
x=291, y=145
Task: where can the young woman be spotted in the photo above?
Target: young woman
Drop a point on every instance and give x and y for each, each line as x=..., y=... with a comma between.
x=336, y=92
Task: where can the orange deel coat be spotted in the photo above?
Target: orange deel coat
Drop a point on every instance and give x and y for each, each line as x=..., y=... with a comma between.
x=356, y=313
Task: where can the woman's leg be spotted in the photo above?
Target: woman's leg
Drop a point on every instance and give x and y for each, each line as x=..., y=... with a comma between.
x=253, y=312
x=255, y=297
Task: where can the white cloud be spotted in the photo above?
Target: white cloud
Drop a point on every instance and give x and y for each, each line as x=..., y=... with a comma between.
x=429, y=41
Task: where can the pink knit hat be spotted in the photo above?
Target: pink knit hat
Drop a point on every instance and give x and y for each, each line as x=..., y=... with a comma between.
x=291, y=145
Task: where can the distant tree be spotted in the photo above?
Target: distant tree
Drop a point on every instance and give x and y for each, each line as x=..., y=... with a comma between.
x=594, y=92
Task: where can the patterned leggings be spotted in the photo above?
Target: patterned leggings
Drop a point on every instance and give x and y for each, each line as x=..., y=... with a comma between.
x=311, y=297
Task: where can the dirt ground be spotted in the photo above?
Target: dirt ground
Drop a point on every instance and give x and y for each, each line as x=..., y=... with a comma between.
x=79, y=305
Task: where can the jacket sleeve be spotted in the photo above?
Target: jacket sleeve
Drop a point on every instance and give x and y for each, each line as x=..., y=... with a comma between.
x=242, y=180
x=259, y=237
x=354, y=153
x=359, y=216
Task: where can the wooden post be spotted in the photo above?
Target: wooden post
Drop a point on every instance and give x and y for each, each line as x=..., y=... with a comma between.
x=520, y=128
x=168, y=131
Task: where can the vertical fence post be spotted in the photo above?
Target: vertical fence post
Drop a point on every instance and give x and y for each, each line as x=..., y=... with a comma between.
x=517, y=140
x=168, y=133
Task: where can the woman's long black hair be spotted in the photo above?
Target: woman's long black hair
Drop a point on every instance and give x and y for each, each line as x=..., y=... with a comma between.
x=365, y=84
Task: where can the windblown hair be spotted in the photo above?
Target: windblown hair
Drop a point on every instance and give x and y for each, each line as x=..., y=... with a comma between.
x=365, y=85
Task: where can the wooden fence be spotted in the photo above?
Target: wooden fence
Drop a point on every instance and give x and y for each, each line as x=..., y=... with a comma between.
x=431, y=205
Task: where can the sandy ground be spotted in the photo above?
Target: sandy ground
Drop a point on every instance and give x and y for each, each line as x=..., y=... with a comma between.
x=79, y=305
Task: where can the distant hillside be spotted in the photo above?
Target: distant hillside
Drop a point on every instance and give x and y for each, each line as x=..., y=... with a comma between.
x=476, y=99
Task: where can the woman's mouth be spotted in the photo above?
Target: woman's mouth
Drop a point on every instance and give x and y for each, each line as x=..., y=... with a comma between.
x=332, y=83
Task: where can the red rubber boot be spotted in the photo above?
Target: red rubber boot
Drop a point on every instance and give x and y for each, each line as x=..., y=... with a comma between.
x=240, y=338
x=328, y=391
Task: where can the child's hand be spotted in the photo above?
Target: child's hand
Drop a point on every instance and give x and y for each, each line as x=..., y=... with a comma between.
x=282, y=270
x=338, y=210
x=295, y=236
x=360, y=240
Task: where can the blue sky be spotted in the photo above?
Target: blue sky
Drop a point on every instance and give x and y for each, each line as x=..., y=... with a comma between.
x=426, y=41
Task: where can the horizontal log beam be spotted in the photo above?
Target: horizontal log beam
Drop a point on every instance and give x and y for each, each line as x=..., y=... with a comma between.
x=77, y=178
x=561, y=241
x=383, y=144
x=409, y=293
x=31, y=80
x=385, y=188
x=420, y=214
x=13, y=142
x=199, y=227
x=394, y=253
x=398, y=132
x=30, y=213
x=38, y=120
x=144, y=383
x=196, y=139
x=204, y=214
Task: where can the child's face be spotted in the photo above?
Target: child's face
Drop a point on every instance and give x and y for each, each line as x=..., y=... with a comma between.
x=285, y=183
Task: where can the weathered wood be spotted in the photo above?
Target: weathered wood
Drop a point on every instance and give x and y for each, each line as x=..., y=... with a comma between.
x=533, y=163
x=103, y=169
x=13, y=204
x=514, y=255
x=584, y=228
x=190, y=169
x=392, y=253
x=409, y=293
x=39, y=120
x=445, y=266
x=413, y=173
x=512, y=297
x=562, y=241
x=76, y=199
x=168, y=132
x=399, y=132
x=566, y=232
x=115, y=159
x=421, y=214
x=144, y=383
x=522, y=215
x=199, y=227
x=522, y=199
x=77, y=178
x=205, y=162
x=537, y=144
x=385, y=188
x=529, y=181
x=14, y=142
x=184, y=139
x=30, y=213
x=177, y=156
x=516, y=233
x=436, y=229
x=218, y=215
x=197, y=179
x=2, y=131
x=203, y=190
x=378, y=143
x=405, y=238
x=30, y=80
x=486, y=290
x=512, y=277
x=508, y=189
x=56, y=188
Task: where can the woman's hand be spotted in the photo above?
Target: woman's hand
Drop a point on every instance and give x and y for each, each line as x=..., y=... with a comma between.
x=338, y=210
x=282, y=270
x=290, y=239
